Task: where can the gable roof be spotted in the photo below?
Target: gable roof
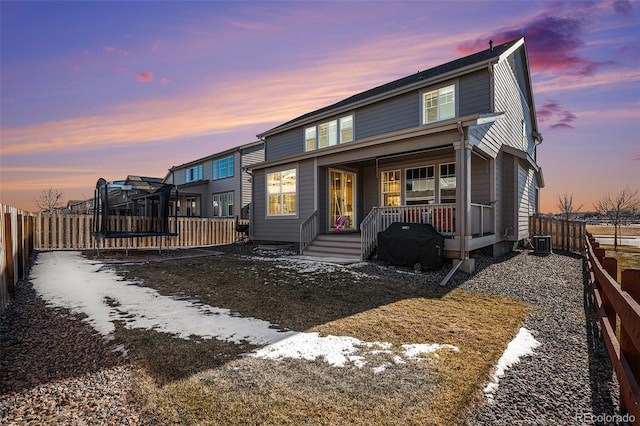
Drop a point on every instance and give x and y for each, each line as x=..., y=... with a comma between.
x=474, y=59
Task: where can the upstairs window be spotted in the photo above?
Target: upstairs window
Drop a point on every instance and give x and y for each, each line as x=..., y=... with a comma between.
x=327, y=134
x=310, y=139
x=223, y=168
x=193, y=174
x=439, y=104
x=346, y=129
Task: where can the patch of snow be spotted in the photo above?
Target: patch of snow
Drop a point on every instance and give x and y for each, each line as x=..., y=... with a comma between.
x=522, y=345
x=311, y=265
x=339, y=350
x=68, y=280
x=413, y=351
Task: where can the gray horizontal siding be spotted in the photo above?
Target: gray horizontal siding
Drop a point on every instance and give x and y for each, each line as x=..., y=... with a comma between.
x=401, y=112
x=508, y=194
x=285, y=144
x=474, y=93
x=248, y=157
x=480, y=180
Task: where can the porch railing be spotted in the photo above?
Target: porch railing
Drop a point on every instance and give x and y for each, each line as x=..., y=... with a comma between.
x=441, y=216
x=308, y=230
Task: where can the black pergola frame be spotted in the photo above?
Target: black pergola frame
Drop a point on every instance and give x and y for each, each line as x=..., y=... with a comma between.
x=158, y=201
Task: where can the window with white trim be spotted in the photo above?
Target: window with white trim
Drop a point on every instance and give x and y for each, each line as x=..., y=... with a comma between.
x=310, y=139
x=346, y=129
x=223, y=204
x=390, y=188
x=192, y=208
x=328, y=134
x=448, y=183
x=281, y=193
x=420, y=183
x=193, y=174
x=439, y=104
x=223, y=168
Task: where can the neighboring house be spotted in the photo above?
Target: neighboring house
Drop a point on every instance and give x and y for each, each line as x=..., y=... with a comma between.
x=217, y=185
x=79, y=206
x=454, y=146
x=130, y=196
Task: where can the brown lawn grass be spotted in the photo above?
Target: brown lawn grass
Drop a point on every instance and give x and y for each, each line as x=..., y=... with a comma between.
x=626, y=231
x=627, y=257
x=211, y=384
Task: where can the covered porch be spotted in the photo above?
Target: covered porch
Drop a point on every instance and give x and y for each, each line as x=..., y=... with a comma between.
x=450, y=187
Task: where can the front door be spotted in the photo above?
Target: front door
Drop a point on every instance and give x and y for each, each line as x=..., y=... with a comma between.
x=342, y=199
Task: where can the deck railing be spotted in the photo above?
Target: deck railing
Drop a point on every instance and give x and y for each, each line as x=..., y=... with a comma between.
x=308, y=230
x=615, y=301
x=441, y=216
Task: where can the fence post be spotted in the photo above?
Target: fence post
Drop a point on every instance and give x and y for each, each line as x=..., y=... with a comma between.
x=610, y=265
x=8, y=253
x=630, y=282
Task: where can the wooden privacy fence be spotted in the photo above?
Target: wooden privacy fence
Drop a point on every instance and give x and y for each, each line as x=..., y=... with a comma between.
x=16, y=244
x=615, y=302
x=565, y=234
x=73, y=232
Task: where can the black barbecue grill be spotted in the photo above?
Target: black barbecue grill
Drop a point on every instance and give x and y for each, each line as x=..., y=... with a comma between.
x=242, y=228
x=411, y=244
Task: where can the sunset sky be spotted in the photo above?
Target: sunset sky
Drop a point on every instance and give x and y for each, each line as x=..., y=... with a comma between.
x=108, y=89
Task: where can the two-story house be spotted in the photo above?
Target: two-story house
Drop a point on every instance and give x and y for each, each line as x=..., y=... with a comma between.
x=454, y=146
x=217, y=185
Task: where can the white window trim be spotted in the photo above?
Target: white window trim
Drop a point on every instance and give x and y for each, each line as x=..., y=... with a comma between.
x=404, y=180
x=400, y=192
x=456, y=102
x=439, y=192
x=227, y=193
x=266, y=192
x=217, y=161
x=338, y=136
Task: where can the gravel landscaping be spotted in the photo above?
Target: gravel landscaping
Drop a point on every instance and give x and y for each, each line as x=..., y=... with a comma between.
x=56, y=369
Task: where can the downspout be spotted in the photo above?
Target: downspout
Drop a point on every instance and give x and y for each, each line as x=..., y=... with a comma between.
x=463, y=228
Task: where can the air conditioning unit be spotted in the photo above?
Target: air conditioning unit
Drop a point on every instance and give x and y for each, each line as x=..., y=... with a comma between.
x=542, y=244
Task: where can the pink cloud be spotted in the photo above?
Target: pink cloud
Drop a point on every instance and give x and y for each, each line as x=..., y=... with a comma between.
x=155, y=47
x=145, y=77
x=551, y=111
x=165, y=80
x=553, y=43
